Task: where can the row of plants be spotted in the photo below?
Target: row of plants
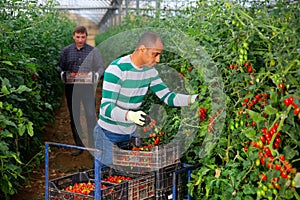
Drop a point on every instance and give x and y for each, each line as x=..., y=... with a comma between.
x=32, y=36
x=255, y=48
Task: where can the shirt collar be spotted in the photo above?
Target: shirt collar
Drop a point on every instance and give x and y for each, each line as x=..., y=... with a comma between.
x=81, y=47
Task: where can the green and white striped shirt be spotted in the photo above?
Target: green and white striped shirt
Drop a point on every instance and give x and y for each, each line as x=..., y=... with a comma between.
x=124, y=88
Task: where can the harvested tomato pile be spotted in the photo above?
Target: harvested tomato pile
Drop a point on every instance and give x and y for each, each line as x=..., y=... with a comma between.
x=116, y=179
x=83, y=188
x=143, y=148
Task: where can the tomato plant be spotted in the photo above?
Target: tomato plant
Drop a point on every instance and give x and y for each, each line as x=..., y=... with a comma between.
x=30, y=91
x=255, y=48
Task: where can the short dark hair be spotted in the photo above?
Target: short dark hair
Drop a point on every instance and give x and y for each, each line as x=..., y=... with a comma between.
x=148, y=39
x=80, y=29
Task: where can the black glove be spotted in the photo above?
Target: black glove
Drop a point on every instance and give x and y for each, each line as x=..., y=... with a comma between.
x=147, y=120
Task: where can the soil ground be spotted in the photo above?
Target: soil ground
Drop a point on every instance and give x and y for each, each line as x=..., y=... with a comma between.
x=61, y=162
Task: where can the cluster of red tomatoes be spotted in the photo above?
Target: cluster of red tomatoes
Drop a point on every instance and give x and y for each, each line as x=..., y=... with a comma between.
x=116, y=179
x=259, y=99
x=268, y=157
x=202, y=112
x=272, y=161
x=155, y=136
x=290, y=101
x=246, y=64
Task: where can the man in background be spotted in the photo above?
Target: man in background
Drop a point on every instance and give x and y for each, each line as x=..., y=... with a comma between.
x=84, y=61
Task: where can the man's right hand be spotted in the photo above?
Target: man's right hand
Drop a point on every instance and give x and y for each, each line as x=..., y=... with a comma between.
x=138, y=117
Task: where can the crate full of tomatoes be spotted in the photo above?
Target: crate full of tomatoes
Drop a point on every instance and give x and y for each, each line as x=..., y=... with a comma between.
x=138, y=153
x=139, y=186
x=78, y=77
x=81, y=185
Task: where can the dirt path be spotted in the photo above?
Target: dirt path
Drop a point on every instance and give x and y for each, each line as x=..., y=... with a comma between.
x=61, y=162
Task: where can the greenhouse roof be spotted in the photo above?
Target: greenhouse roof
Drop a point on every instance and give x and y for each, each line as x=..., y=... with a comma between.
x=95, y=10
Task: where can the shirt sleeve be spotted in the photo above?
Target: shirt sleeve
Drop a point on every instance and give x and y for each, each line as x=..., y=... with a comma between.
x=162, y=91
x=110, y=93
x=62, y=63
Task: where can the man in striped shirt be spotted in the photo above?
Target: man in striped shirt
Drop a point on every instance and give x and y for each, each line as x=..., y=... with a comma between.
x=125, y=84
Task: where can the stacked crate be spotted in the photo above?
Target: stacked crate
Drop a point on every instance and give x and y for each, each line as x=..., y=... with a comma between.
x=140, y=187
x=137, y=188
x=164, y=160
x=58, y=188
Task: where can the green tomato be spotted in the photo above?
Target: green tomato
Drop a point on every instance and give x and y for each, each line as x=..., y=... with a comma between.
x=236, y=125
x=257, y=162
x=258, y=193
x=270, y=197
x=275, y=191
x=270, y=185
x=272, y=63
x=242, y=123
x=242, y=51
x=231, y=125
x=265, y=188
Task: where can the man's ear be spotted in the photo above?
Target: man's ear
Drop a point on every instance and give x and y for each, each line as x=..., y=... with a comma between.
x=142, y=48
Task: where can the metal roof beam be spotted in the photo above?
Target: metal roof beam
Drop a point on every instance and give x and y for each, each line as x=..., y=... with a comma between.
x=82, y=8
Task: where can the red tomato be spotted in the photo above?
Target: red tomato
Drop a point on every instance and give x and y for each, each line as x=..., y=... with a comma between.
x=264, y=177
x=268, y=151
x=286, y=102
x=282, y=158
x=262, y=161
x=283, y=175
x=296, y=111
x=263, y=139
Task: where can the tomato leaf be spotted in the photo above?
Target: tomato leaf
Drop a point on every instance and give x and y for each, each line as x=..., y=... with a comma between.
x=249, y=133
x=22, y=88
x=257, y=118
x=270, y=110
x=249, y=189
x=290, y=153
x=7, y=62
x=29, y=127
